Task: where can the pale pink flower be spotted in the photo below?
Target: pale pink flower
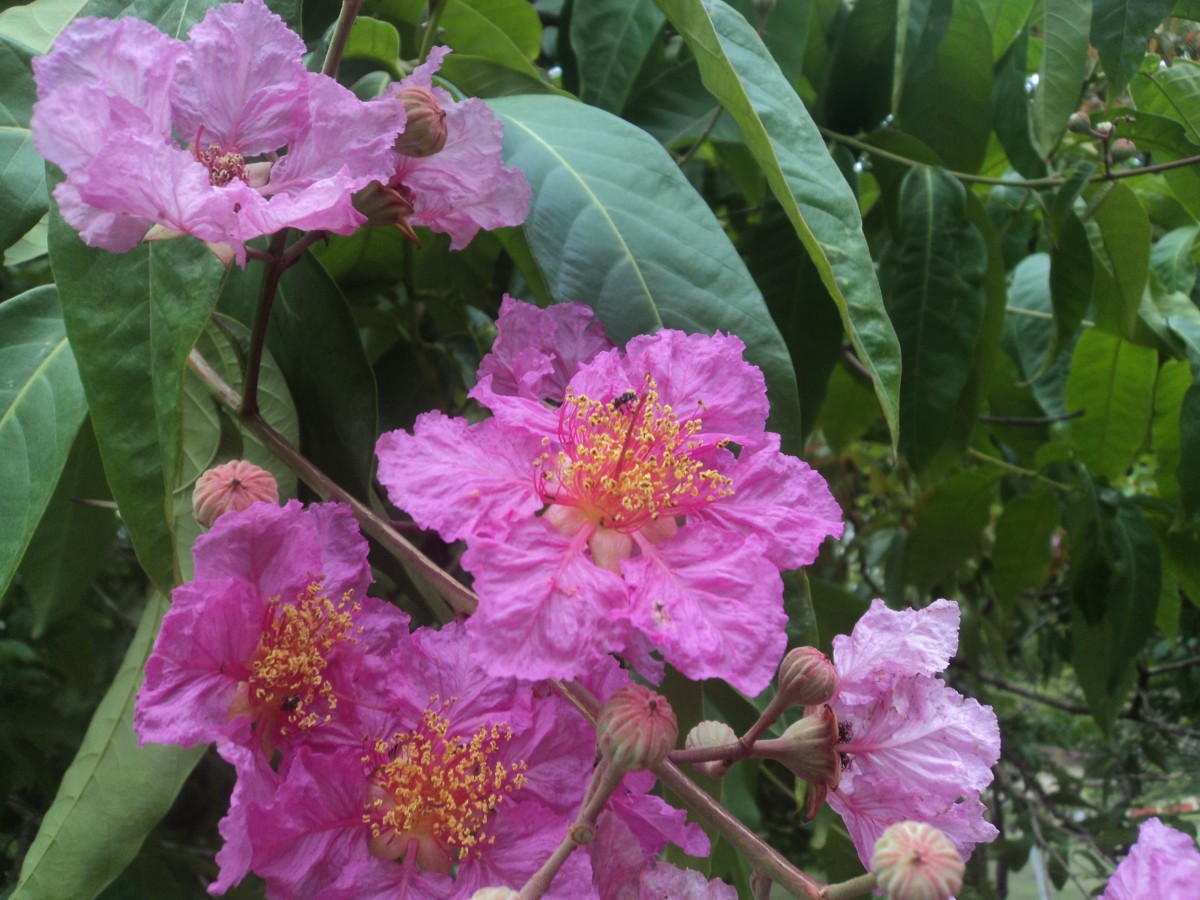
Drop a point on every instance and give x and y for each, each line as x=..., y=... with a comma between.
x=116, y=97
x=1163, y=864
x=640, y=506
x=465, y=185
x=916, y=748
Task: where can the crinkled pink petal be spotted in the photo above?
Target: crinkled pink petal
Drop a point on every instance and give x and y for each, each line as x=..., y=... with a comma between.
x=666, y=880
x=256, y=784
x=712, y=603
x=926, y=734
x=242, y=81
x=654, y=823
x=72, y=124
x=128, y=62
x=545, y=610
x=460, y=479
x=1164, y=864
x=422, y=75
x=889, y=644
x=537, y=351
x=526, y=834
x=115, y=232
x=781, y=499
x=869, y=807
x=140, y=176
x=617, y=858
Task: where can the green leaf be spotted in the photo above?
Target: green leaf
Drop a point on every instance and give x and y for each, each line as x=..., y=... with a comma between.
x=676, y=108
x=948, y=529
x=1010, y=109
x=1006, y=20
x=37, y=24
x=23, y=197
x=1113, y=380
x=132, y=319
x=925, y=24
x=932, y=275
x=948, y=104
x=313, y=337
x=1172, y=259
x=611, y=40
x=373, y=40
x=1121, y=242
x=1168, y=141
x=1063, y=68
x=1071, y=283
x=857, y=93
x=1174, y=378
x=1030, y=332
x=41, y=409
x=507, y=31
x=480, y=77
x=1120, y=32
x=1188, y=472
x=614, y=223
x=1172, y=93
x=738, y=71
x=1022, y=553
x=1114, y=600
x=113, y=794
x=71, y=544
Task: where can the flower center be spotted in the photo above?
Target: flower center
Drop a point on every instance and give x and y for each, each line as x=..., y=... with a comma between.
x=436, y=790
x=626, y=463
x=286, y=691
x=223, y=165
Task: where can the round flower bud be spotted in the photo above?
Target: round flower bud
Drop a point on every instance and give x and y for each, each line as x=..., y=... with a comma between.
x=710, y=734
x=1079, y=123
x=425, y=124
x=1104, y=129
x=1123, y=149
x=915, y=861
x=807, y=678
x=231, y=486
x=637, y=728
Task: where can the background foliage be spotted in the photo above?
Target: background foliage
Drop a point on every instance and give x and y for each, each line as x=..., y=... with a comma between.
x=979, y=325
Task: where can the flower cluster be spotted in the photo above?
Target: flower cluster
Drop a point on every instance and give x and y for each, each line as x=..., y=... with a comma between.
x=618, y=500
x=266, y=145
x=371, y=761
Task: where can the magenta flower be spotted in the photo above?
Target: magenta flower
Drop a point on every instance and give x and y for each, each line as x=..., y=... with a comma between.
x=916, y=748
x=114, y=94
x=618, y=501
x=465, y=185
x=263, y=647
x=1163, y=864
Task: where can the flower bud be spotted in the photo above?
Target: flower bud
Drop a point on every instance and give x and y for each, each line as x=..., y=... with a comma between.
x=1079, y=123
x=1104, y=129
x=231, y=486
x=710, y=734
x=807, y=677
x=425, y=124
x=915, y=861
x=809, y=749
x=637, y=728
x=1122, y=150
x=389, y=204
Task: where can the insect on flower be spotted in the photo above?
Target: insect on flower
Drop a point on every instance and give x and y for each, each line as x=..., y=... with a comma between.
x=624, y=400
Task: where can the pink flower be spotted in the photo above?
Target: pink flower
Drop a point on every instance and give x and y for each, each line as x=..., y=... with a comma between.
x=463, y=781
x=465, y=185
x=114, y=94
x=640, y=505
x=262, y=648
x=916, y=748
x=1163, y=864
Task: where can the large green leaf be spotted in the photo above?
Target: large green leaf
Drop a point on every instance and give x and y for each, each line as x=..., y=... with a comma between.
x=1113, y=380
x=1063, y=68
x=315, y=341
x=1031, y=333
x=932, y=274
x=1071, y=282
x=1172, y=92
x=1172, y=260
x=1120, y=32
x=1010, y=109
x=1174, y=379
x=739, y=72
x=1120, y=239
x=947, y=103
x=1188, y=471
x=37, y=24
x=611, y=39
x=949, y=527
x=676, y=108
x=614, y=223
x=857, y=92
x=41, y=409
x=1022, y=553
x=113, y=794
x=23, y=198
x=507, y=31
x=1167, y=140
x=132, y=319
x=72, y=542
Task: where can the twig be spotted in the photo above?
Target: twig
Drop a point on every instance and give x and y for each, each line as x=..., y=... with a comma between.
x=341, y=34
x=1031, y=420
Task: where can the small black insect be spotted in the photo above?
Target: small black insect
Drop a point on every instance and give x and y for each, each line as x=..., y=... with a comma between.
x=291, y=703
x=624, y=400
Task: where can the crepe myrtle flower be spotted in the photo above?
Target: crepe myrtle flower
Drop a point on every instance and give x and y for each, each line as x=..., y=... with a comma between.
x=619, y=500
x=262, y=647
x=448, y=173
x=912, y=747
x=265, y=144
x=1164, y=864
